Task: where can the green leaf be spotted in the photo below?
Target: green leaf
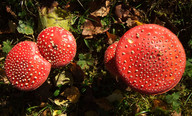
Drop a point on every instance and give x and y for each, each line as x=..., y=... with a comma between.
x=56, y=93
x=7, y=46
x=173, y=100
x=85, y=60
x=81, y=56
x=83, y=64
x=190, y=43
x=188, y=69
x=57, y=17
x=25, y=27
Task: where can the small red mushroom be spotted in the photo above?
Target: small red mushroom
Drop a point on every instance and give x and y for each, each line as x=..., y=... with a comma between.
x=150, y=58
x=25, y=68
x=109, y=59
x=57, y=45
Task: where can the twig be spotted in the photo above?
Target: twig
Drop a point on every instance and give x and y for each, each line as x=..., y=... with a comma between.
x=81, y=4
x=25, y=4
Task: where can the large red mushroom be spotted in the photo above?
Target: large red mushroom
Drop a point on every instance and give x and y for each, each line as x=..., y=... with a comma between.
x=25, y=68
x=57, y=45
x=150, y=59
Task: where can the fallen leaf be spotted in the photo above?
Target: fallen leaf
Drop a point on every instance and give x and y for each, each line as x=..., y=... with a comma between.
x=128, y=14
x=104, y=104
x=46, y=112
x=77, y=72
x=88, y=28
x=72, y=94
x=91, y=28
x=95, y=20
x=174, y=113
x=119, y=11
x=54, y=17
x=136, y=12
x=3, y=77
x=111, y=38
x=160, y=104
x=56, y=112
x=115, y=96
x=43, y=104
x=60, y=102
x=122, y=12
x=25, y=27
x=130, y=22
x=64, y=78
x=103, y=10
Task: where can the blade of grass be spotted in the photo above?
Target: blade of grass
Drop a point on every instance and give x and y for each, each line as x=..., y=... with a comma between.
x=187, y=99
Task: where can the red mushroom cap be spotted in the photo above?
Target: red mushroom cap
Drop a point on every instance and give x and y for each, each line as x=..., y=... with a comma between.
x=25, y=68
x=109, y=59
x=150, y=59
x=57, y=45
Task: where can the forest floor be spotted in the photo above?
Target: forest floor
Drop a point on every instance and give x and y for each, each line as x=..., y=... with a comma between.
x=85, y=87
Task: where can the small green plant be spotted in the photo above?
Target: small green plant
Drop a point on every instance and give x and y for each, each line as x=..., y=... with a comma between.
x=174, y=101
x=7, y=46
x=85, y=60
x=190, y=43
x=188, y=69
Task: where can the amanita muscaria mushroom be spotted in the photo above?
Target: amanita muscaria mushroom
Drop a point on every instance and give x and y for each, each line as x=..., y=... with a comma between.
x=150, y=59
x=57, y=45
x=25, y=68
x=109, y=59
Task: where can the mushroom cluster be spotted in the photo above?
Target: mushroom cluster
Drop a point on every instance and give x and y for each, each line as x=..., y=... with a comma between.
x=150, y=59
x=28, y=64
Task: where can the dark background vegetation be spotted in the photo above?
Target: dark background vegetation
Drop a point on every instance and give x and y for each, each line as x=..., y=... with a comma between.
x=85, y=87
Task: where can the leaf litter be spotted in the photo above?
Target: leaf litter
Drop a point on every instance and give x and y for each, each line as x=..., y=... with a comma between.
x=83, y=83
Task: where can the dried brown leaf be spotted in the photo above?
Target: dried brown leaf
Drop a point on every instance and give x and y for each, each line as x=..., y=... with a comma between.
x=3, y=77
x=111, y=38
x=72, y=94
x=91, y=28
x=136, y=12
x=160, y=104
x=119, y=11
x=176, y=114
x=130, y=22
x=103, y=10
x=88, y=28
x=127, y=14
x=77, y=72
